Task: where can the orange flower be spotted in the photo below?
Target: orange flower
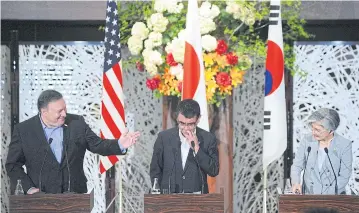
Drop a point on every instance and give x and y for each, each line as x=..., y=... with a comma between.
x=237, y=76
x=164, y=89
x=221, y=60
x=225, y=90
x=211, y=87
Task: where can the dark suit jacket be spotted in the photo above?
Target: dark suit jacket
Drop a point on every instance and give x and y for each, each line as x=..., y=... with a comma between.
x=167, y=157
x=28, y=147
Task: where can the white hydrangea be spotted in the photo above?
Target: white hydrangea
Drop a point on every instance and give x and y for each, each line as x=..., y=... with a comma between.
x=154, y=57
x=160, y=6
x=149, y=44
x=146, y=53
x=155, y=38
x=182, y=34
x=140, y=30
x=177, y=48
x=134, y=45
x=207, y=25
x=157, y=22
x=208, y=10
x=177, y=71
x=150, y=67
x=209, y=43
x=172, y=6
x=232, y=7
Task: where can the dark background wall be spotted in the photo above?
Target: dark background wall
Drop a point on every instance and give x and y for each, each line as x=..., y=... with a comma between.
x=324, y=30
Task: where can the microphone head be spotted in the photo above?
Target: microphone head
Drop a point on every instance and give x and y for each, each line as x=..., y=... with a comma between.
x=192, y=144
x=326, y=150
x=309, y=148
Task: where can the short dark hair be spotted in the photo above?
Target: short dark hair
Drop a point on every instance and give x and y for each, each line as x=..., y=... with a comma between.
x=189, y=108
x=46, y=97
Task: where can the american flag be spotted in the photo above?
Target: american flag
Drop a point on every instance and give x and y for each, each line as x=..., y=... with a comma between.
x=112, y=104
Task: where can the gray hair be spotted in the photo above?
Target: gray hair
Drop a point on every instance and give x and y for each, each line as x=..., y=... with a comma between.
x=328, y=118
x=46, y=97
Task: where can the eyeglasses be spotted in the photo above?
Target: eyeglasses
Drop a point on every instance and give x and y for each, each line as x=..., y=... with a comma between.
x=318, y=131
x=183, y=124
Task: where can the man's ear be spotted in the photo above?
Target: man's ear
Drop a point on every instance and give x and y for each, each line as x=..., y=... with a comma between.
x=43, y=110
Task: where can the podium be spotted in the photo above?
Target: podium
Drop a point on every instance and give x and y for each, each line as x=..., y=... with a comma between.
x=302, y=203
x=176, y=203
x=46, y=203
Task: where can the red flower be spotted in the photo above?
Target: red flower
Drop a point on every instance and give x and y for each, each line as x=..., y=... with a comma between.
x=170, y=60
x=221, y=47
x=223, y=79
x=179, y=86
x=232, y=59
x=140, y=66
x=153, y=83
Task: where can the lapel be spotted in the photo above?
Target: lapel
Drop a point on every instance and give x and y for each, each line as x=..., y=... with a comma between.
x=314, y=158
x=331, y=152
x=39, y=131
x=190, y=156
x=177, y=146
x=65, y=142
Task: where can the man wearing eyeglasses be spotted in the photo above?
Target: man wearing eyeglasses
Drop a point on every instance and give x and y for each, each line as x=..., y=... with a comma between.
x=183, y=156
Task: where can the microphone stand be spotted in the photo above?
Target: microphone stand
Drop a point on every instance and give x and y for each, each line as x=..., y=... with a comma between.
x=199, y=168
x=335, y=176
x=305, y=168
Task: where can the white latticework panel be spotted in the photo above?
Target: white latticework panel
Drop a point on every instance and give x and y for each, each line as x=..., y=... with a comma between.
x=5, y=130
x=248, y=168
x=75, y=71
x=147, y=118
x=332, y=81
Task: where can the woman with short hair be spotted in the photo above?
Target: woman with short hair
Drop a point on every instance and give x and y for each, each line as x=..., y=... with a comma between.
x=325, y=157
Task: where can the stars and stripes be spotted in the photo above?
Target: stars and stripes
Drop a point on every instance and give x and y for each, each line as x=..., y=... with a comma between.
x=112, y=104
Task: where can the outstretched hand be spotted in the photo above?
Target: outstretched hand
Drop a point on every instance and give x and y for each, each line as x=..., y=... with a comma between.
x=127, y=139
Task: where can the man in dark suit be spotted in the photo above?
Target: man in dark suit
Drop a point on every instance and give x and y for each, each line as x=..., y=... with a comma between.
x=53, y=143
x=183, y=156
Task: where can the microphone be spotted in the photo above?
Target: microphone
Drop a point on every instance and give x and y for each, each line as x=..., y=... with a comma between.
x=68, y=169
x=200, y=171
x=43, y=163
x=173, y=166
x=305, y=167
x=335, y=176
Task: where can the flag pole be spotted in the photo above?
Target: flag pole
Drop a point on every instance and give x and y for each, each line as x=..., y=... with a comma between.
x=265, y=191
x=120, y=187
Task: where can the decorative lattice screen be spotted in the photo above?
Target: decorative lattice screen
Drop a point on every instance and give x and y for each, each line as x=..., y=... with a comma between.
x=5, y=124
x=331, y=80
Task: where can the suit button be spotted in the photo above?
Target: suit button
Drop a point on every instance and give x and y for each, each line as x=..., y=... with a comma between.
x=328, y=171
x=326, y=184
x=183, y=177
x=312, y=168
x=312, y=183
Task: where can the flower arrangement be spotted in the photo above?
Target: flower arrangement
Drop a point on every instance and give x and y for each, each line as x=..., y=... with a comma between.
x=229, y=41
